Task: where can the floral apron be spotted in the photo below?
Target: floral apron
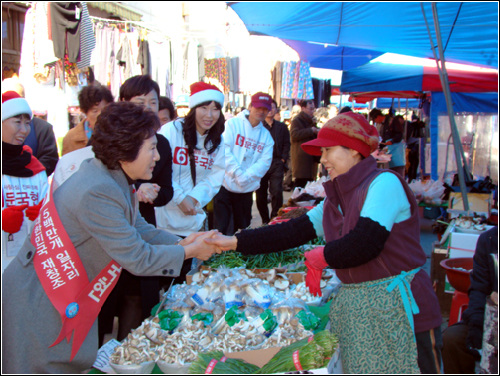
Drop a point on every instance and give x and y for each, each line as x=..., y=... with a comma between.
x=374, y=322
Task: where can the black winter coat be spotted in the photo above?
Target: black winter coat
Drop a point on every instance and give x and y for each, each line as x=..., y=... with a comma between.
x=304, y=166
x=483, y=281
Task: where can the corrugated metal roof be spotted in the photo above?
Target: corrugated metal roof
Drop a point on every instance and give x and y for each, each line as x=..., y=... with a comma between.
x=117, y=9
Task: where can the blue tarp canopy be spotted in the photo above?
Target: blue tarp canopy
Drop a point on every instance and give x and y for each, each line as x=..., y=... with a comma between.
x=469, y=30
x=327, y=56
x=395, y=103
x=377, y=76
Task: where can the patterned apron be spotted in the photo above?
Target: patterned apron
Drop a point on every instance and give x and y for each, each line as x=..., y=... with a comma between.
x=374, y=322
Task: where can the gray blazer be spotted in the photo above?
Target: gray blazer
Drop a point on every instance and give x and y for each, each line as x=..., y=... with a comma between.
x=97, y=209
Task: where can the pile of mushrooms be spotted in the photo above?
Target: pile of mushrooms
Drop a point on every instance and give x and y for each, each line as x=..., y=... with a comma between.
x=254, y=290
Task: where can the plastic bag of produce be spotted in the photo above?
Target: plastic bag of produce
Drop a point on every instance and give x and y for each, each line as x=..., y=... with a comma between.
x=287, y=309
x=265, y=323
x=232, y=317
x=257, y=292
x=210, y=291
x=233, y=292
x=181, y=293
x=169, y=319
x=308, y=319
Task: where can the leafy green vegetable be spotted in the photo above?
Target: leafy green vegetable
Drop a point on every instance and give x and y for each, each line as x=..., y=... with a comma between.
x=303, y=355
x=219, y=365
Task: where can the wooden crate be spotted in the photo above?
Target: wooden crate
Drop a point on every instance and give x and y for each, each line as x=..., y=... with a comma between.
x=438, y=276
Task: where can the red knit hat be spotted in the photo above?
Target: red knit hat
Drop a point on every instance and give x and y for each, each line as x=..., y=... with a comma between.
x=349, y=129
x=13, y=105
x=202, y=92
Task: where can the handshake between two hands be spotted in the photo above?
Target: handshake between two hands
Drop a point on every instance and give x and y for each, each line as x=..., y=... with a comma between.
x=203, y=245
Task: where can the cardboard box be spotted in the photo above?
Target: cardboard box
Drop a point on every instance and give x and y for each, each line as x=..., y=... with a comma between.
x=438, y=278
x=479, y=203
x=462, y=244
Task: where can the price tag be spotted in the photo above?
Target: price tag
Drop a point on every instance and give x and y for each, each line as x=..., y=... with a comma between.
x=104, y=354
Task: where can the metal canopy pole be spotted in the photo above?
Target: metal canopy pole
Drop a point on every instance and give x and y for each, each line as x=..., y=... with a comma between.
x=463, y=172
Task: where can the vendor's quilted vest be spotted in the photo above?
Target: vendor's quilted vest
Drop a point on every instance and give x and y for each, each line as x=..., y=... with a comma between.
x=402, y=250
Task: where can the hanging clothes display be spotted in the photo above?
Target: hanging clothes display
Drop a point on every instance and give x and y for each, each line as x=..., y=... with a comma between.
x=65, y=29
x=288, y=78
x=217, y=68
x=87, y=39
x=144, y=58
x=160, y=50
x=234, y=74
x=322, y=91
x=37, y=49
x=276, y=77
x=124, y=57
x=201, y=62
x=190, y=67
x=297, y=80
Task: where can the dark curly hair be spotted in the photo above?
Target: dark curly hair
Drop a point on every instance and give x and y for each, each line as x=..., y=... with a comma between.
x=138, y=85
x=120, y=131
x=375, y=113
x=304, y=102
x=164, y=103
x=214, y=133
x=91, y=96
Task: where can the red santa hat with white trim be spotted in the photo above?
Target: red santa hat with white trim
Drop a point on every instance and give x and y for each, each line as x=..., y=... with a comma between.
x=13, y=105
x=202, y=92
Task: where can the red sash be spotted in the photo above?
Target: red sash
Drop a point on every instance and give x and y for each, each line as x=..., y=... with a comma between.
x=64, y=279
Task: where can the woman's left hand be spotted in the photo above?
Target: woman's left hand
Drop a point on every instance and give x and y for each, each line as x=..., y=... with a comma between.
x=148, y=192
x=188, y=206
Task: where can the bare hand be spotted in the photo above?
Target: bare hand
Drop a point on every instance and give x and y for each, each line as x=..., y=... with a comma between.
x=195, y=246
x=195, y=235
x=188, y=206
x=224, y=242
x=148, y=192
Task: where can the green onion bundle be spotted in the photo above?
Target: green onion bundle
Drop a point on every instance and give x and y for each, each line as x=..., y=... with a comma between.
x=303, y=355
x=229, y=366
x=262, y=261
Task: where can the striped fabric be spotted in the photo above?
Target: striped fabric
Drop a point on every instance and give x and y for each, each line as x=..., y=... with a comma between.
x=87, y=39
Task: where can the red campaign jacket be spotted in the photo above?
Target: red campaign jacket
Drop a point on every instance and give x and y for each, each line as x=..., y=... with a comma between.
x=402, y=250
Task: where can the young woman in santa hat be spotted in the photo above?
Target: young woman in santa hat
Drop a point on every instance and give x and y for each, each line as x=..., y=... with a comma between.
x=24, y=180
x=197, y=162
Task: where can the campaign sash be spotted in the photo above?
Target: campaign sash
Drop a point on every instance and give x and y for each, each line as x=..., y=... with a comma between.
x=64, y=279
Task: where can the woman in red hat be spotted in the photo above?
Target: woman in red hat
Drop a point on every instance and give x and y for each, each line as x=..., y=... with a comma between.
x=386, y=313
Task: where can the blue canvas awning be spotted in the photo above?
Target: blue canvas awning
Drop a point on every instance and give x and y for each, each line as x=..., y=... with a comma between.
x=377, y=76
x=327, y=56
x=469, y=30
